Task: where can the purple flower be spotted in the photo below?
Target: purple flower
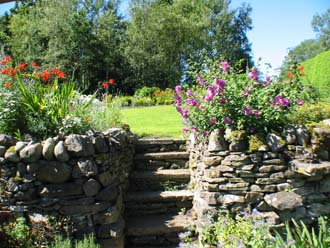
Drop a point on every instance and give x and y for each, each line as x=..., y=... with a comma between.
x=220, y=82
x=192, y=102
x=177, y=97
x=285, y=102
x=206, y=133
x=299, y=102
x=184, y=130
x=208, y=98
x=254, y=74
x=200, y=79
x=281, y=101
x=178, y=89
x=227, y=120
x=212, y=90
x=245, y=93
x=193, y=129
x=212, y=121
x=257, y=113
x=201, y=107
x=185, y=113
x=267, y=82
x=223, y=101
x=177, y=103
x=179, y=109
x=189, y=93
x=247, y=110
x=225, y=66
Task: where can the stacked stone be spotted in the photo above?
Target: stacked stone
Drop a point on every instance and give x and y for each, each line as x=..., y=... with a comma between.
x=77, y=176
x=277, y=182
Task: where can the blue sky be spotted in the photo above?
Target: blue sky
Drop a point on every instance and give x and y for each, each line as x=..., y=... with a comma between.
x=277, y=25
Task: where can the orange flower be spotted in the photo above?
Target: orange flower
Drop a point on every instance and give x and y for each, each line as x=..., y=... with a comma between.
x=105, y=85
x=22, y=66
x=5, y=60
x=290, y=75
x=45, y=75
x=38, y=75
x=112, y=81
x=58, y=73
x=34, y=64
x=8, y=84
x=300, y=68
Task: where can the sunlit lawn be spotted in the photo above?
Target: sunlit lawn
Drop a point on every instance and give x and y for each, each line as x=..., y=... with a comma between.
x=157, y=121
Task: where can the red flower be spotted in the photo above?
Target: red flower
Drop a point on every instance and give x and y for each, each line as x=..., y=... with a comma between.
x=58, y=73
x=8, y=84
x=45, y=75
x=12, y=72
x=112, y=81
x=5, y=71
x=105, y=85
x=290, y=75
x=34, y=64
x=300, y=68
x=22, y=66
x=5, y=60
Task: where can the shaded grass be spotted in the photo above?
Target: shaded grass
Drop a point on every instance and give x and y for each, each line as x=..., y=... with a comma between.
x=156, y=121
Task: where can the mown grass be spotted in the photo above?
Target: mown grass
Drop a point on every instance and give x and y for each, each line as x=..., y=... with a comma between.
x=156, y=121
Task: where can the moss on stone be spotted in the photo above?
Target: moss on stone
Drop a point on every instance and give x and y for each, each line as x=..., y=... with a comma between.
x=11, y=150
x=237, y=135
x=255, y=142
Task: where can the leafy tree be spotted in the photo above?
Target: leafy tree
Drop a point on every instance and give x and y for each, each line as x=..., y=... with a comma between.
x=164, y=35
x=80, y=37
x=321, y=25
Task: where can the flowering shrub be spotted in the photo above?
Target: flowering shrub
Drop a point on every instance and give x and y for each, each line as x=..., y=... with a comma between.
x=40, y=103
x=223, y=97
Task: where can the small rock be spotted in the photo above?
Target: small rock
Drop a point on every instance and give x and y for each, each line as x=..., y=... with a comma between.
x=91, y=187
x=231, y=199
x=290, y=134
x=54, y=172
x=48, y=149
x=109, y=193
x=302, y=135
x=31, y=153
x=217, y=141
x=60, y=152
x=2, y=151
x=275, y=142
x=284, y=200
x=100, y=144
x=85, y=168
x=78, y=146
x=238, y=146
x=19, y=146
x=6, y=140
x=11, y=155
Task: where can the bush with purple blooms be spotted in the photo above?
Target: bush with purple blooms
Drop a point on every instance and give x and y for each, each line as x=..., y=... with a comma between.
x=223, y=96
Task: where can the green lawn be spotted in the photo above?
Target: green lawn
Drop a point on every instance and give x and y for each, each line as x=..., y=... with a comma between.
x=157, y=121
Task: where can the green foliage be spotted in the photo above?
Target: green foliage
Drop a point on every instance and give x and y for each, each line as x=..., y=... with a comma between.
x=310, y=113
x=86, y=242
x=223, y=97
x=164, y=35
x=82, y=38
x=300, y=236
x=228, y=232
x=317, y=72
x=321, y=25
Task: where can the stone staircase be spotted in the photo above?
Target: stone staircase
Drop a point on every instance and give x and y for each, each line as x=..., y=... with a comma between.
x=158, y=198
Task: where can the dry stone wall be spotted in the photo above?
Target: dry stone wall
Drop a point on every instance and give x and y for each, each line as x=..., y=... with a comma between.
x=285, y=176
x=80, y=177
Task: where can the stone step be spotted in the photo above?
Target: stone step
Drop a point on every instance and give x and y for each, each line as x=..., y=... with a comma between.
x=160, y=196
x=159, y=180
x=157, y=224
x=160, y=164
x=162, y=156
x=157, y=202
x=160, y=145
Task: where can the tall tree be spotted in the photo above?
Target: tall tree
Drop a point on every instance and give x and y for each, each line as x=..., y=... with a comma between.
x=321, y=25
x=78, y=36
x=163, y=35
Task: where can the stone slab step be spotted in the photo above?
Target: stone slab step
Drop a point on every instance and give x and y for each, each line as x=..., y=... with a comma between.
x=157, y=224
x=152, y=142
x=161, y=175
x=162, y=156
x=160, y=196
